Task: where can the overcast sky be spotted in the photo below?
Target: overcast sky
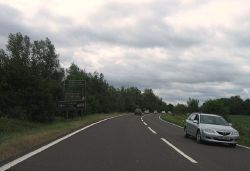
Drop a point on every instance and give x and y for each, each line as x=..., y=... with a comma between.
x=179, y=48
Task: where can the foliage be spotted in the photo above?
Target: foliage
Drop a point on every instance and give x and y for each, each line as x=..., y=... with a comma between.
x=102, y=97
x=227, y=106
x=176, y=119
x=30, y=80
x=31, y=84
x=215, y=107
x=180, y=109
x=242, y=124
x=223, y=106
x=193, y=105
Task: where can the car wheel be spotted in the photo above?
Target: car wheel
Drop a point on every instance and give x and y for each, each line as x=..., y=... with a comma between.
x=233, y=145
x=198, y=137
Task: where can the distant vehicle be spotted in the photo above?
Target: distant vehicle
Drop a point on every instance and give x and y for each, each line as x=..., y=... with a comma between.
x=138, y=111
x=210, y=127
x=146, y=111
x=155, y=112
x=163, y=112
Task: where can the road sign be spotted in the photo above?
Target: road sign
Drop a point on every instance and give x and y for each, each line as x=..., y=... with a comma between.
x=74, y=96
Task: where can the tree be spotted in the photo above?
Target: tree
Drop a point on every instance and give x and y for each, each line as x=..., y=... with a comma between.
x=246, y=107
x=152, y=102
x=236, y=105
x=170, y=107
x=215, y=107
x=180, y=109
x=193, y=105
x=31, y=81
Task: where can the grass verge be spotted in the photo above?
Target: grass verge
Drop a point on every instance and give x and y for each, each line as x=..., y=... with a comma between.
x=18, y=136
x=241, y=123
x=176, y=119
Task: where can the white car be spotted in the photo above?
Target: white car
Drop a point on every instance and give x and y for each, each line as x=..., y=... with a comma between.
x=210, y=127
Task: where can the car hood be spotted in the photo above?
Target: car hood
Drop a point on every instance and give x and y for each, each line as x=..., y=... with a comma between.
x=217, y=127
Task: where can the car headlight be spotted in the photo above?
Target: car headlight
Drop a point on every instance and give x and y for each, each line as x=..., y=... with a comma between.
x=235, y=133
x=210, y=131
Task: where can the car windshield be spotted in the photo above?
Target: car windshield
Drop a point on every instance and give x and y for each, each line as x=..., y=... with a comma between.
x=215, y=120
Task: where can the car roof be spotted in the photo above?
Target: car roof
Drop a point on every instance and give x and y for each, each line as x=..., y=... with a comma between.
x=208, y=114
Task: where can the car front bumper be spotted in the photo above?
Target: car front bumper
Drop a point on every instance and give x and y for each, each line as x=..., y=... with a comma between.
x=229, y=139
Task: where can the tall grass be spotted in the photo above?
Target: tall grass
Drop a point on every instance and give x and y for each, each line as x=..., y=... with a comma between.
x=242, y=124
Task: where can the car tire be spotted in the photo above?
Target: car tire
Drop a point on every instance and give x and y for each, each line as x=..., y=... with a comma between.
x=233, y=145
x=198, y=137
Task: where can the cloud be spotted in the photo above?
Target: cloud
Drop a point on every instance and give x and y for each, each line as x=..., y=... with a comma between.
x=180, y=49
x=10, y=20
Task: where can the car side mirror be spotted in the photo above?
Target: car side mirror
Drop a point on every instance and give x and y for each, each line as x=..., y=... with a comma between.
x=195, y=121
x=230, y=124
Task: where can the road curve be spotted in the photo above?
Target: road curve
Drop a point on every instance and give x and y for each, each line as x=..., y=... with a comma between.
x=134, y=143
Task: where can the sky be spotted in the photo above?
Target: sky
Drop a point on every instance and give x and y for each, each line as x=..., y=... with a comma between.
x=179, y=48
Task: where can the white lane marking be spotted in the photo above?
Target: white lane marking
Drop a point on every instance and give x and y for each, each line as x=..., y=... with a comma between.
x=143, y=116
x=243, y=146
x=179, y=151
x=18, y=160
x=169, y=122
x=152, y=130
x=246, y=147
x=145, y=123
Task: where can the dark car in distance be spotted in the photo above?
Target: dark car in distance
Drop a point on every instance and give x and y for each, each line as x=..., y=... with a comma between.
x=138, y=111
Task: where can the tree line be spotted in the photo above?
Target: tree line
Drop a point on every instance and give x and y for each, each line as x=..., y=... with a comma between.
x=31, y=84
x=222, y=106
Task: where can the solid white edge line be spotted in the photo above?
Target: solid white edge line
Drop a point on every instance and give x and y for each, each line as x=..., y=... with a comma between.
x=246, y=147
x=179, y=151
x=169, y=122
x=243, y=146
x=26, y=156
x=152, y=130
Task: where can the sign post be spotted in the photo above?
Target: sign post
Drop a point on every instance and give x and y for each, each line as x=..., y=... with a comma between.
x=74, y=96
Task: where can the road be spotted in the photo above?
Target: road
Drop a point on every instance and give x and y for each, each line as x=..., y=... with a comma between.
x=134, y=143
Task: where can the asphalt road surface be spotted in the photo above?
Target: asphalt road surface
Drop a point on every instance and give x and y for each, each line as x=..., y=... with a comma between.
x=134, y=143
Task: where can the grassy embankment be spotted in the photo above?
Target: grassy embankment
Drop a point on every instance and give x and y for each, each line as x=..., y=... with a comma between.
x=241, y=123
x=19, y=136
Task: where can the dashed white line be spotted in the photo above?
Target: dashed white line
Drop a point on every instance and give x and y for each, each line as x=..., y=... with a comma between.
x=18, y=160
x=145, y=123
x=179, y=151
x=152, y=130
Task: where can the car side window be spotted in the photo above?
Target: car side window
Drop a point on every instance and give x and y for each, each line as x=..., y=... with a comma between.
x=189, y=118
x=196, y=118
x=192, y=117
